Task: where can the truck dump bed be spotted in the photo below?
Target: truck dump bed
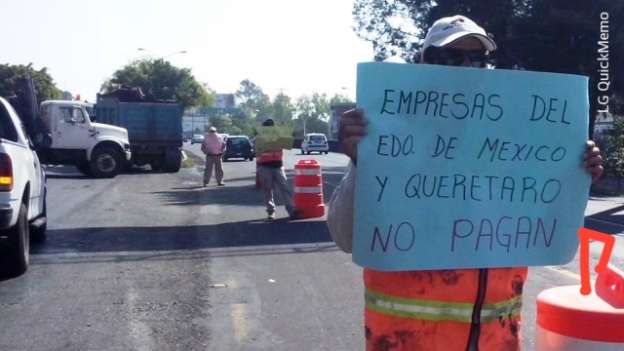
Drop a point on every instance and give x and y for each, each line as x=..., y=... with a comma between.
x=147, y=122
x=154, y=127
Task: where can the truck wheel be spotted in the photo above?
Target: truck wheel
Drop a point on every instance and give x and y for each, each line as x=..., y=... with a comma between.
x=38, y=233
x=172, y=161
x=106, y=162
x=15, y=262
x=84, y=168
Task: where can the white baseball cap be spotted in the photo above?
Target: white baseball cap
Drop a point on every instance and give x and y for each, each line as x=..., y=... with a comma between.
x=448, y=29
x=212, y=129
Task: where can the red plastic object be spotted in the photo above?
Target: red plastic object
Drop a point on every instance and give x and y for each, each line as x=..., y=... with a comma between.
x=563, y=310
x=308, y=189
x=610, y=287
x=585, y=235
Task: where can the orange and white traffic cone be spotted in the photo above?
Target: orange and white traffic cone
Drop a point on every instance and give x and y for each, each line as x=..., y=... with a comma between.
x=308, y=189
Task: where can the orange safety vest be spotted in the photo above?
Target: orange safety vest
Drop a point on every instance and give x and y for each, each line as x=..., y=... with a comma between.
x=444, y=310
x=270, y=156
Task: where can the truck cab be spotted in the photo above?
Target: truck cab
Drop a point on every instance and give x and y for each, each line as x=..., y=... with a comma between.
x=96, y=149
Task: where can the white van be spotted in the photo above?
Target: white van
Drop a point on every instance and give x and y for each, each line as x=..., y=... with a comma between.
x=314, y=142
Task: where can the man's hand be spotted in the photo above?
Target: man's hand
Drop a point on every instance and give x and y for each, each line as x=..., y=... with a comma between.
x=593, y=161
x=352, y=129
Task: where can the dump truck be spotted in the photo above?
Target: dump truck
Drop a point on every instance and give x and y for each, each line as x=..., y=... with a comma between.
x=154, y=126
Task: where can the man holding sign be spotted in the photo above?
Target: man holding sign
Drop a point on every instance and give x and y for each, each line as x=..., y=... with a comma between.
x=270, y=141
x=463, y=185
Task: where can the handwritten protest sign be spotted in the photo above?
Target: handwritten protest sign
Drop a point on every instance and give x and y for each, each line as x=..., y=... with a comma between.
x=273, y=138
x=466, y=167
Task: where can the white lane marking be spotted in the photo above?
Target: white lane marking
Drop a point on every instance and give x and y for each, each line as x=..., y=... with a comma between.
x=232, y=283
x=139, y=331
x=239, y=324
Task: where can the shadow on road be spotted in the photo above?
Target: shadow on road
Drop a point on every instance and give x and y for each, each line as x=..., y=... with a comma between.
x=239, y=238
x=610, y=221
x=64, y=172
x=244, y=193
x=71, y=172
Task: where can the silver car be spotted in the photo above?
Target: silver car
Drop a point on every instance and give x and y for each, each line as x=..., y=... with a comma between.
x=197, y=139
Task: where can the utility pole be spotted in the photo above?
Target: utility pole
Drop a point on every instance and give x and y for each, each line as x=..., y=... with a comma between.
x=305, y=120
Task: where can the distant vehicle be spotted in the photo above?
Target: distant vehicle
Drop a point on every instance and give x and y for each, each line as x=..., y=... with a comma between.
x=197, y=139
x=154, y=126
x=314, y=142
x=238, y=146
x=22, y=194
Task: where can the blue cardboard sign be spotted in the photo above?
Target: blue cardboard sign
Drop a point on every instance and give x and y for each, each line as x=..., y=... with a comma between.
x=467, y=167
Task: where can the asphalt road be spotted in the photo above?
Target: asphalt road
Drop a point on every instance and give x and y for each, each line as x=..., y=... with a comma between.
x=153, y=261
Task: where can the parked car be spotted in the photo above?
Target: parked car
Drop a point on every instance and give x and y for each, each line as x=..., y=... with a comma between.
x=197, y=139
x=314, y=142
x=238, y=146
x=22, y=194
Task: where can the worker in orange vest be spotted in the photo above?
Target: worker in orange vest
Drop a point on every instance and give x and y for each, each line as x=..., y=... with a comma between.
x=273, y=179
x=459, y=309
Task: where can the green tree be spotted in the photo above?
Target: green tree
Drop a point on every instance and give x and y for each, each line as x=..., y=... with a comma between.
x=242, y=125
x=223, y=123
x=312, y=114
x=340, y=99
x=160, y=79
x=44, y=84
x=253, y=101
x=613, y=145
x=321, y=106
x=540, y=35
x=282, y=109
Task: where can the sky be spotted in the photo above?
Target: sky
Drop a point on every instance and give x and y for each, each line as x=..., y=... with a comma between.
x=295, y=46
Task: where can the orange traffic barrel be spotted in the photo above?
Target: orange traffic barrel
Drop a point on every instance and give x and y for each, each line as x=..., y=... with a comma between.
x=308, y=189
x=570, y=321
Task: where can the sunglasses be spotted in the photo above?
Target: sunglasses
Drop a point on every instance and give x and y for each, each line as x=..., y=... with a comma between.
x=455, y=57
